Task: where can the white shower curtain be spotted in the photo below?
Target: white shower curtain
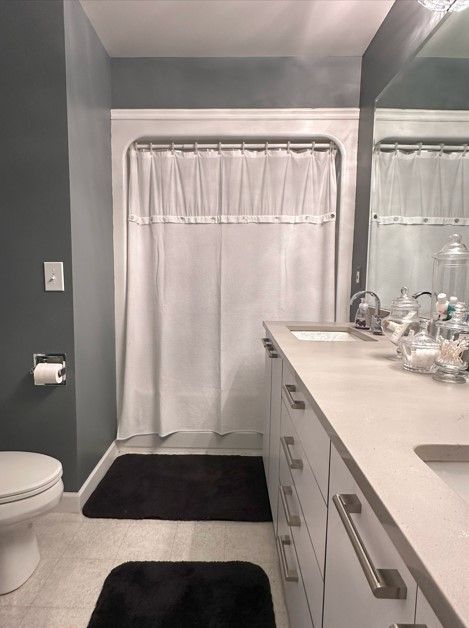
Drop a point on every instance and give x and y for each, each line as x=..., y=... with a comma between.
x=418, y=199
x=217, y=243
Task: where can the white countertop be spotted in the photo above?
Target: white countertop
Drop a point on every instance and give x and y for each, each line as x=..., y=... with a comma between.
x=377, y=414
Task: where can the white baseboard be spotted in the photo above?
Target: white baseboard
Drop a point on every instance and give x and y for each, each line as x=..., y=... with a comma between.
x=195, y=440
x=73, y=502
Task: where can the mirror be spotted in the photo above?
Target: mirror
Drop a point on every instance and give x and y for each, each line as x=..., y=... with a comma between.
x=420, y=173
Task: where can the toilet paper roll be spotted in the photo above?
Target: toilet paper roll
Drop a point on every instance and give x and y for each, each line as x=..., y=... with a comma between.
x=47, y=373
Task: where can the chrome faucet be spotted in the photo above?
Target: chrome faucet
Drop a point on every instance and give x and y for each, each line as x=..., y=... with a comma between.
x=420, y=294
x=375, y=324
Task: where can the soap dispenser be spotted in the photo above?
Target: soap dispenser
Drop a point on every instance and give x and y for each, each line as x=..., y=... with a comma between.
x=362, y=315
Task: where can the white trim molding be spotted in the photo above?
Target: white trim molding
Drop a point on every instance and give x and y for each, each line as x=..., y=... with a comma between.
x=129, y=125
x=235, y=114
x=421, y=115
x=73, y=502
x=421, y=125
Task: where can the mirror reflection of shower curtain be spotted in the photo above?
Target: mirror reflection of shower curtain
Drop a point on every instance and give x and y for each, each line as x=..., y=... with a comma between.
x=418, y=199
x=217, y=243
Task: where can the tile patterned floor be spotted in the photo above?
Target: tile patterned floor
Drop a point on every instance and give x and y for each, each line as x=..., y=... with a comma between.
x=77, y=554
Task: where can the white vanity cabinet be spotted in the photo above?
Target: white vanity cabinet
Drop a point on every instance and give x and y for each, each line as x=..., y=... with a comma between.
x=303, y=450
x=367, y=583
x=271, y=436
x=338, y=565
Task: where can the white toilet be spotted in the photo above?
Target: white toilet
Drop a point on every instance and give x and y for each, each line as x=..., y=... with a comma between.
x=30, y=485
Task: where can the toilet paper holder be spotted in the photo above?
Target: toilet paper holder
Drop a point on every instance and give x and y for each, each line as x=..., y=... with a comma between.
x=51, y=358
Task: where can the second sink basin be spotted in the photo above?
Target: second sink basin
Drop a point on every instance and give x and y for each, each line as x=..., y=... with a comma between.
x=450, y=463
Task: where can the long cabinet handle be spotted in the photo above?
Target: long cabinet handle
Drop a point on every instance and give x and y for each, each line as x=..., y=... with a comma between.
x=292, y=520
x=269, y=347
x=408, y=626
x=293, y=463
x=296, y=404
x=384, y=583
x=290, y=575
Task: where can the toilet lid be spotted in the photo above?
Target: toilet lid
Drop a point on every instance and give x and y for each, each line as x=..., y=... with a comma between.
x=24, y=474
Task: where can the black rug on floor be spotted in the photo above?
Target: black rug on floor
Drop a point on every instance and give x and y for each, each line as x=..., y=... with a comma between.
x=185, y=595
x=182, y=488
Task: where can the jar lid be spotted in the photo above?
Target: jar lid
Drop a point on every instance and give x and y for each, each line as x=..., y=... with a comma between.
x=406, y=301
x=421, y=340
x=454, y=249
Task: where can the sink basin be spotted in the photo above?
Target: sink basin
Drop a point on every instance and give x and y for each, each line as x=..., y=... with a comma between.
x=331, y=334
x=450, y=463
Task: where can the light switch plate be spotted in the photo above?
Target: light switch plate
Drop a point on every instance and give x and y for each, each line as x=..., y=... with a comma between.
x=54, y=276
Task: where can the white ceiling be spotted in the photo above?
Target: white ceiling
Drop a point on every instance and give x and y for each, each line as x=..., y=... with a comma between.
x=236, y=28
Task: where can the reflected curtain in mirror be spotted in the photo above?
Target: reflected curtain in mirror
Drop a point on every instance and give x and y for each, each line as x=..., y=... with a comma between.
x=418, y=199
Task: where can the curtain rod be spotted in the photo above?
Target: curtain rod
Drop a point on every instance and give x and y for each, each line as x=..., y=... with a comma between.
x=320, y=145
x=418, y=146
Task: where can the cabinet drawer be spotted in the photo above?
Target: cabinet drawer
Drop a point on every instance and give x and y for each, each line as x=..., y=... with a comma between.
x=360, y=555
x=310, y=572
x=315, y=441
x=295, y=596
x=312, y=504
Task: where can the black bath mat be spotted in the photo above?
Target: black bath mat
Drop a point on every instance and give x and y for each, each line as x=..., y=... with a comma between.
x=185, y=595
x=182, y=488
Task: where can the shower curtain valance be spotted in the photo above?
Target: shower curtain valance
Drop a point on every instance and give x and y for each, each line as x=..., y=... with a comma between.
x=231, y=186
x=420, y=188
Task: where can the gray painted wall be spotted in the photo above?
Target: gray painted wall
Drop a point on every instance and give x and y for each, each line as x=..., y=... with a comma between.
x=235, y=82
x=35, y=210
x=430, y=83
x=56, y=204
x=89, y=137
x=404, y=30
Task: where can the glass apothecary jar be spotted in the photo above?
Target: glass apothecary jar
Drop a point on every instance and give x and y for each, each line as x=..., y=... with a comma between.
x=451, y=271
x=419, y=351
x=403, y=317
x=453, y=340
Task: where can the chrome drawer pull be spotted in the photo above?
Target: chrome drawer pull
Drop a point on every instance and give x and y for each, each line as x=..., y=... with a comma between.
x=293, y=463
x=384, y=583
x=292, y=520
x=269, y=347
x=294, y=403
x=290, y=575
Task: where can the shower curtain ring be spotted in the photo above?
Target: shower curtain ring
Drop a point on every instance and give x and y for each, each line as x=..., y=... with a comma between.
x=465, y=150
x=313, y=146
x=172, y=148
x=288, y=147
x=420, y=148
